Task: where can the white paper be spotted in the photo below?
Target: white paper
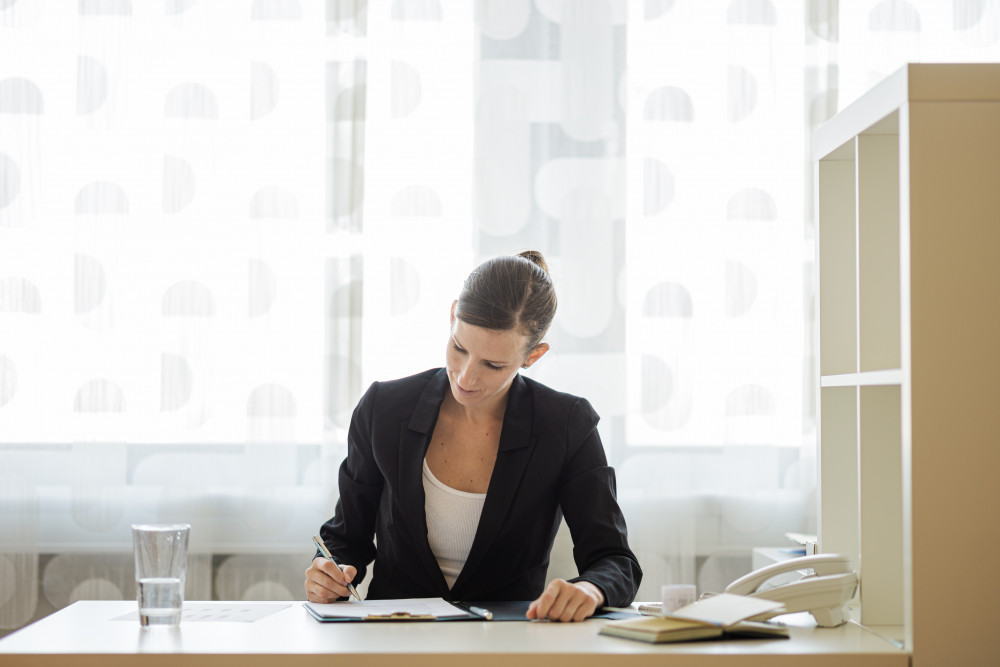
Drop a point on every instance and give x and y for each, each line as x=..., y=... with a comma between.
x=726, y=609
x=230, y=612
x=436, y=607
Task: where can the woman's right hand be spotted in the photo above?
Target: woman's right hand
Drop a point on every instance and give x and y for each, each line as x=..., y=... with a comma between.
x=325, y=582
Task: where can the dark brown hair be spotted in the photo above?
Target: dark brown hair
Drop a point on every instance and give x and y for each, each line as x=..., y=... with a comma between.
x=514, y=291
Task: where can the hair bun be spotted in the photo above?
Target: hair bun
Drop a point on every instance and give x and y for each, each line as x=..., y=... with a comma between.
x=536, y=258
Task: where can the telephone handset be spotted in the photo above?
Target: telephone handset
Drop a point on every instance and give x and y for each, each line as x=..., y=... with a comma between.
x=824, y=593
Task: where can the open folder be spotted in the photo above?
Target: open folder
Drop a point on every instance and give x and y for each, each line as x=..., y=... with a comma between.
x=411, y=609
x=430, y=609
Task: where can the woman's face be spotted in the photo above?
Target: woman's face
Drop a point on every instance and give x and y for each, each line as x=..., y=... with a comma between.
x=482, y=362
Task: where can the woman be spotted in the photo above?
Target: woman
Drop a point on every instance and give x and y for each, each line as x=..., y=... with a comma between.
x=462, y=474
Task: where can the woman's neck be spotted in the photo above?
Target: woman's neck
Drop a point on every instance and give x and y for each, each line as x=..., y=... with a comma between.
x=492, y=410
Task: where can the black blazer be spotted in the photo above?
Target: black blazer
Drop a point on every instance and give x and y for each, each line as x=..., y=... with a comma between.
x=550, y=464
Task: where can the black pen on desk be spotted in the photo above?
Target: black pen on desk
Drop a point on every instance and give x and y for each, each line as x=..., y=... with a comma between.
x=326, y=552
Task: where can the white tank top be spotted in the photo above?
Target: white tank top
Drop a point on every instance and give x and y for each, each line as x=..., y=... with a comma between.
x=452, y=520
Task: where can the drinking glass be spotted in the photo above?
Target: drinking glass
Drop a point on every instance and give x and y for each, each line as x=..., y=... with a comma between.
x=160, y=569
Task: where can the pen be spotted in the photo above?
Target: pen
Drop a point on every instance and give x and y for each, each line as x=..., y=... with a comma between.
x=326, y=552
x=479, y=611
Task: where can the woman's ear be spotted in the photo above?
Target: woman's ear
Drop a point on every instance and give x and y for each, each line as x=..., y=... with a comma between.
x=453, y=304
x=536, y=354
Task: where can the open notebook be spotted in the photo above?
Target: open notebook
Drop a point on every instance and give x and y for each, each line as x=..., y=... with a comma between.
x=716, y=617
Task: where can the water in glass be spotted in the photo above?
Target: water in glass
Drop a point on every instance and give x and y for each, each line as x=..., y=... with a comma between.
x=160, y=600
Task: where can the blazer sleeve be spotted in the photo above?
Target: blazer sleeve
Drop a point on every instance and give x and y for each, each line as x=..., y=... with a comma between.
x=349, y=535
x=588, y=498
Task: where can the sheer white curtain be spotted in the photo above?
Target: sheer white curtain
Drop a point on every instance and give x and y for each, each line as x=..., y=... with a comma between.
x=220, y=221
x=180, y=189
x=722, y=101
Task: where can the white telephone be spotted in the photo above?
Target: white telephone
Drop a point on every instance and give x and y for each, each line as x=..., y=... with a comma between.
x=824, y=593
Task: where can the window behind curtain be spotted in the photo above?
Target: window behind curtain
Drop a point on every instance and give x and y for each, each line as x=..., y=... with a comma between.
x=219, y=223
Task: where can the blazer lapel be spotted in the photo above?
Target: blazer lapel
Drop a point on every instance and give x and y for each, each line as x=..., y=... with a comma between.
x=413, y=439
x=512, y=459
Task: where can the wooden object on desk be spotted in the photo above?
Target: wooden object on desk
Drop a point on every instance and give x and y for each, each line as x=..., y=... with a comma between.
x=909, y=231
x=84, y=634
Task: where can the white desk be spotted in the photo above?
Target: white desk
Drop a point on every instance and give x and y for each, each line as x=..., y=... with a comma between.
x=86, y=634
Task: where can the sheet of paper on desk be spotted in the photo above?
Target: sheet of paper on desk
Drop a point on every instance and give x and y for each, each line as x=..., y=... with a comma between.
x=725, y=609
x=230, y=612
x=436, y=607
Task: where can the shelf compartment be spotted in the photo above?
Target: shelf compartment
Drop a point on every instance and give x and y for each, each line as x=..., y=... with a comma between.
x=838, y=483
x=878, y=249
x=837, y=254
x=881, y=505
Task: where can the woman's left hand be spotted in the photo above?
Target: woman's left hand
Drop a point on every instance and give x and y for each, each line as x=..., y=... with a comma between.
x=563, y=601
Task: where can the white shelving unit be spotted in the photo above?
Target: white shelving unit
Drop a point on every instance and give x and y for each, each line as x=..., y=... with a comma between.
x=908, y=182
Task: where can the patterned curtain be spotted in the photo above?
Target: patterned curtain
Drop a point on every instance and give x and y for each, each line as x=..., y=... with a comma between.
x=220, y=221
x=180, y=288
